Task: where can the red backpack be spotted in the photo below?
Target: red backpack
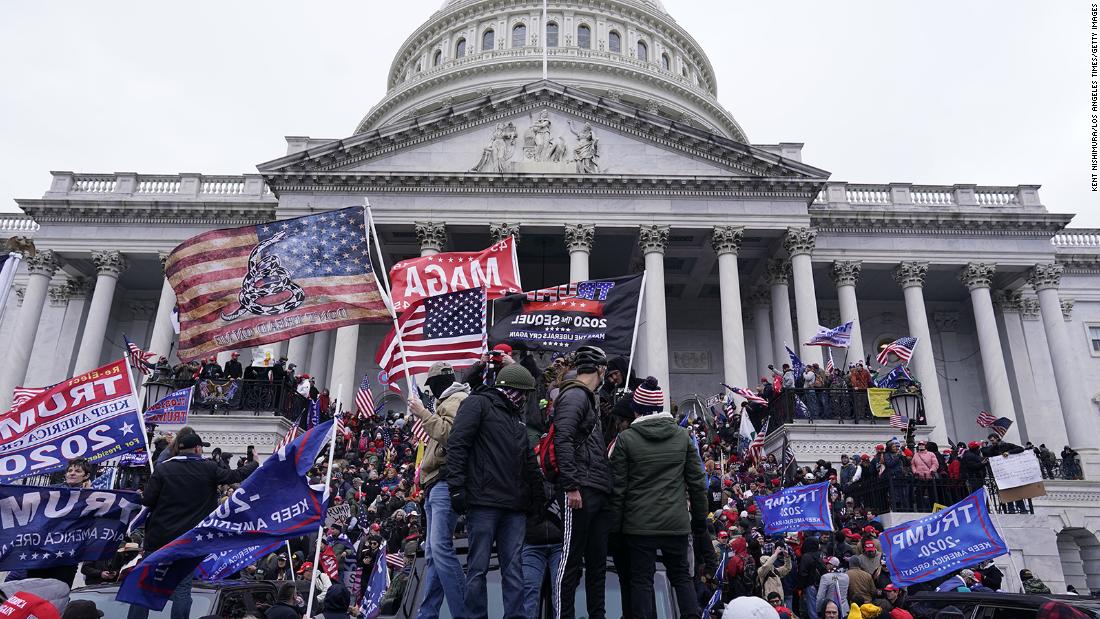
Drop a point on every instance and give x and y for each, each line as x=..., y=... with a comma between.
x=545, y=451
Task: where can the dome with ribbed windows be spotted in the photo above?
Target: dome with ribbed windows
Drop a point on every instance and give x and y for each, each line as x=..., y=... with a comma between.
x=630, y=51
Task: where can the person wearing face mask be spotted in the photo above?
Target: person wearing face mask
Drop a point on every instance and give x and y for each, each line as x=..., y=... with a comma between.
x=494, y=479
x=443, y=575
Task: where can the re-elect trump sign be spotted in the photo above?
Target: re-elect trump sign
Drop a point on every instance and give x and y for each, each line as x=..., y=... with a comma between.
x=941, y=543
x=799, y=508
x=94, y=415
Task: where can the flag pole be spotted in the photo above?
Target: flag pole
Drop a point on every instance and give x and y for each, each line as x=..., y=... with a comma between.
x=138, y=411
x=545, y=43
x=321, y=525
x=289, y=559
x=634, y=338
x=386, y=293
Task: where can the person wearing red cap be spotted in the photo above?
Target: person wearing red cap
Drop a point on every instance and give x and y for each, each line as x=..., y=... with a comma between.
x=973, y=466
x=869, y=560
x=233, y=367
x=210, y=369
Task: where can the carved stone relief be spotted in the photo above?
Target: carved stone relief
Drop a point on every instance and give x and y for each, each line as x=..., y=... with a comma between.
x=542, y=150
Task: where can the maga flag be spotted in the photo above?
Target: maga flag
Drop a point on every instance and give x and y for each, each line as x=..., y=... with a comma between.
x=242, y=287
x=601, y=312
x=496, y=269
x=274, y=503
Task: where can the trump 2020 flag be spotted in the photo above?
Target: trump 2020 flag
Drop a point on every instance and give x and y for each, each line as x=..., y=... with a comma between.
x=243, y=287
x=95, y=416
x=379, y=581
x=43, y=527
x=275, y=503
x=798, y=508
x=941, y=543
x=172, y=408
x=222, y=565
x=837, y=337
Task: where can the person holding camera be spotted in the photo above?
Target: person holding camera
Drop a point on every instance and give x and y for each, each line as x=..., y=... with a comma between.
x=775, y=564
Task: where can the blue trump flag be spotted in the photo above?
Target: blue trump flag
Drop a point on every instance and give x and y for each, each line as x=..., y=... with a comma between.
x=379, y=581
x=796, y=362
x=891, y=380
x=224, y=564
x=273, y=504
x=837, y=337
x=941, y=543
x=799, y=508
x=172, y=408
x=43, y=527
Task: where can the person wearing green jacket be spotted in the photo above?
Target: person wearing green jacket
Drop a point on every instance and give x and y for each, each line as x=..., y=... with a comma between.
x=657, y=473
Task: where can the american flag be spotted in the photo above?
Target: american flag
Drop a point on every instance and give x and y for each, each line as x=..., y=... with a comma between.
x=986, y=419
x=106, y=479
x=901, y=347
x=396, y=561
x=418, y=431
x=756, y=448
x=20, y=395
x=447, y=327
x=314, y=273
x=829, y=366
x=1000, y=425
x=364, y=399
x=790, y=463
x=139, y=359
x=291, y=434
x=749, y=395
x=899, y=421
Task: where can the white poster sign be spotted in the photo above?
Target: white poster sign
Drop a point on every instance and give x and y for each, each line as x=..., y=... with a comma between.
x=1016, y=470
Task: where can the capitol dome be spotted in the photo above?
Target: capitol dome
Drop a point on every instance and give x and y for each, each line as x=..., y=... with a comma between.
x=622, y=50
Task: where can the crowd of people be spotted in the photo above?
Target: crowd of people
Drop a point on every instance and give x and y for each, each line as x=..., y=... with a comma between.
x=556, y=469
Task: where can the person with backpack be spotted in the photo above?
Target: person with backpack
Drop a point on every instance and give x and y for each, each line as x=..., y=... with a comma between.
x=494, y=479
x=655, y=466
x=583, y=475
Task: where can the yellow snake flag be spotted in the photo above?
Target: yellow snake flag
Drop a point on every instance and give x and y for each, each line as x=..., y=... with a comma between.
x=879, y=401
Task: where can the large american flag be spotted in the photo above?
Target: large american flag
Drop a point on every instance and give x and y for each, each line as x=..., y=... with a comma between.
x=447, y=327
x=756, y=447
x=901, y=347
x=749, y=395
x=139, y=359
x=313, y=274
x=364, y=399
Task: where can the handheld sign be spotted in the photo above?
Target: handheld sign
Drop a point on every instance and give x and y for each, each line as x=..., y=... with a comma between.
x=800, y=508
x=1015, y=470
x=941, y=543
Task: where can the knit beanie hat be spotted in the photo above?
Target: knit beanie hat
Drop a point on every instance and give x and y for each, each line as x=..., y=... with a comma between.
x=648, y=397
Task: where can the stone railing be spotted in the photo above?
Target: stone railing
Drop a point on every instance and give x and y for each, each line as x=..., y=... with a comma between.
x=908, y=196
x=17, y=223
x=1079, y=237
x=128, y=186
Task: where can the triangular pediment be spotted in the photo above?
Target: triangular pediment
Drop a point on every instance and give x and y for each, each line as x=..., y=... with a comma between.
x=543, y=128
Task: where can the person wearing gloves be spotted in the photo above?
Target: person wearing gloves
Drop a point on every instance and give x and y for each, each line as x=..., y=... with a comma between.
x=654, y=466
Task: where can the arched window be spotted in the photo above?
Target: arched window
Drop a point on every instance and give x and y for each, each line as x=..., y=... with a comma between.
x=584, y=37
x=437, y=58
x=614, y=42
x=460, y=49
x=519, y=35
x=666, y=62
x=552, y=34
x=643, y=51
x=488, y=40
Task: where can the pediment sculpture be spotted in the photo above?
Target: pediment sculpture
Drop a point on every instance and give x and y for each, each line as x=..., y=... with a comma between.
x=543, y=152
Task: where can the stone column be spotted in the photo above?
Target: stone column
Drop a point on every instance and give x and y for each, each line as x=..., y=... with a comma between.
x=653, y=238
x=726, y=241
x=1080, y=419
x=344, y=381
x=319, y=357
x=431, y=236
x=778, y=276
x=762, y=330
x=845, y=275
x=40, y=268
x=109, y=265
x=163, y=333
x=501, y=231
x=910, y=275
x=578, y=240
x=298, y=353
x=799, y=243
x=977, y=277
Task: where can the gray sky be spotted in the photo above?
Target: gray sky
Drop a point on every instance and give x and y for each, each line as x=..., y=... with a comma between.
x=939, y=92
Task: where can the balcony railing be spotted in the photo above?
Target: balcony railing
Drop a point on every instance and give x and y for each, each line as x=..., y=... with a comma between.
x=809, y=405
x=221, y=396
x=905, y=195
x=178, y=187
x=887, y=494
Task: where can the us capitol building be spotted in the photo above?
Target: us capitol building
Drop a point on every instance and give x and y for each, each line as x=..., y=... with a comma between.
x=623, y=160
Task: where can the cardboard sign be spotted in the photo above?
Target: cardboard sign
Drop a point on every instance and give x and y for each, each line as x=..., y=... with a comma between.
x=1013, y=471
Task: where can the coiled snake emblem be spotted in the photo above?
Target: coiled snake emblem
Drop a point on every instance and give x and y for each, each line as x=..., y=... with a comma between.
x=266, y=277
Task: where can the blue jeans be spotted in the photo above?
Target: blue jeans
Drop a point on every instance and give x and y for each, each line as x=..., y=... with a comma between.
x=536, y=560
x=443, y=576
x=809, y=600
x=485, y=525
x=181, y=602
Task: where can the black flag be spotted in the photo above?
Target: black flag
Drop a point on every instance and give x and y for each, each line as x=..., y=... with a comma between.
x=599, y=312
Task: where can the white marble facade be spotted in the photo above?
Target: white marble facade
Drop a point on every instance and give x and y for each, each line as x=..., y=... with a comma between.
x=615, y=164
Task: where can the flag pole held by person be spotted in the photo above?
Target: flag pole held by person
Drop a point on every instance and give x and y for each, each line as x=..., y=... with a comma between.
x=321, y=523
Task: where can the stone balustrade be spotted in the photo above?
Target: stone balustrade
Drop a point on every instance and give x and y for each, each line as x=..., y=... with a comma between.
x=908, y=196
x=180, y=187
x=17, y=223
x=1077, y=238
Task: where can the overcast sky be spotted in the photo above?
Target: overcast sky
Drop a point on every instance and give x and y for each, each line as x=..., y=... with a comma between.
x=992, y=92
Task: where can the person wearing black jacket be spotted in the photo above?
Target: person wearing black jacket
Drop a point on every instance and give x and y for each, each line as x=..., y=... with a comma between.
x=972, y=466
x=811, y=567
x=179, y=494
x=492, y=474
x=585, y=478
x=285, y=607
x=233, y=367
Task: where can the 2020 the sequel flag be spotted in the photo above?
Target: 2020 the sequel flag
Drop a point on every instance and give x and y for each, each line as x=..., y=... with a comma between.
x=95, y=415
x=496, y=269
x=599, y=312
x=242, y=287
x=43, y=527
x=941, y=543
x=798, y=508
x=274, y=503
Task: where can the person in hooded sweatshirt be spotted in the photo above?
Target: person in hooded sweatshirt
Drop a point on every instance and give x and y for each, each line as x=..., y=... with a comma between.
x=655, y=467
x=337, y=603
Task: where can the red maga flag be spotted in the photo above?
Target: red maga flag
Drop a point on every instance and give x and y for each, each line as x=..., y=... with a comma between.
x=496, y=269
x=242, y=287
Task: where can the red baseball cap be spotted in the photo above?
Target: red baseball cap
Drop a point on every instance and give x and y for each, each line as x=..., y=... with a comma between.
x=890, y=587
x=504, y=348
x=868, y=545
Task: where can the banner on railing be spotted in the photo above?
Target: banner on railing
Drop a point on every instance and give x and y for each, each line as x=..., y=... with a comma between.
x=223, y=393
x=172, y=409
x=941, y=543
x=799, y=508
x=95, y=415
